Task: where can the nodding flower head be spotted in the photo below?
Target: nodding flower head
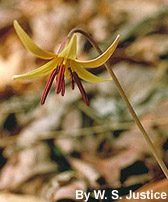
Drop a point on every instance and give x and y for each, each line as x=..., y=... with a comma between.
x=63, y=64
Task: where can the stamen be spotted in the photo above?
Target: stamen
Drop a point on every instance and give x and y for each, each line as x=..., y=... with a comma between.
x=63, y=87
x=72, y=82
x=48, y=85
x=60, y=79
x=82, y=90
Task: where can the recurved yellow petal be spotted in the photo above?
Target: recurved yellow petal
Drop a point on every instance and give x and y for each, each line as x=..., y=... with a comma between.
x=87, y=76
x=70, y=49
x=30, y=45
x=41, y=71
x=100, y=60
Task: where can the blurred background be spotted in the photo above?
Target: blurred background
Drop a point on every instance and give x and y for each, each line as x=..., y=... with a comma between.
x=50, y=151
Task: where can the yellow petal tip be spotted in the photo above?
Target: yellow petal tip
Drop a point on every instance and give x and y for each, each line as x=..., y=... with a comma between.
x=14, y=77
x=30, y=45
x=15, y=24
x=118, y=37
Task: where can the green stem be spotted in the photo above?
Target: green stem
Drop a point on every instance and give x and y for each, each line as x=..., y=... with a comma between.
x=124, y=97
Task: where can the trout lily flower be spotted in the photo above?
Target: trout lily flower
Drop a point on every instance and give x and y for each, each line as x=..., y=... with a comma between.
x=63, y=65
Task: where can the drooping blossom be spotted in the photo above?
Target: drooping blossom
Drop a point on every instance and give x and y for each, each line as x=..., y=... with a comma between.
x=63, y=64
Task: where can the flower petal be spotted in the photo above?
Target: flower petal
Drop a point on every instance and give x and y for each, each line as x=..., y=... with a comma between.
x=100, y=60
x=85, y=75
x=30, y=45
x=41, y=71
x=70, y=49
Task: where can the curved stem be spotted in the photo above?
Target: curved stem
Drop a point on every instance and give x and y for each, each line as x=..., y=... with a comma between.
x=124, y=97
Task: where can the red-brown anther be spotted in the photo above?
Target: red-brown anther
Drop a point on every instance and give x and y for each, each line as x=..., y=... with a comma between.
x=82, y=90
x=60, y=79
x=48, y=85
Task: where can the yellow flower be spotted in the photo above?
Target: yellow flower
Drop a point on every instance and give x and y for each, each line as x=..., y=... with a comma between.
x=63, y=64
